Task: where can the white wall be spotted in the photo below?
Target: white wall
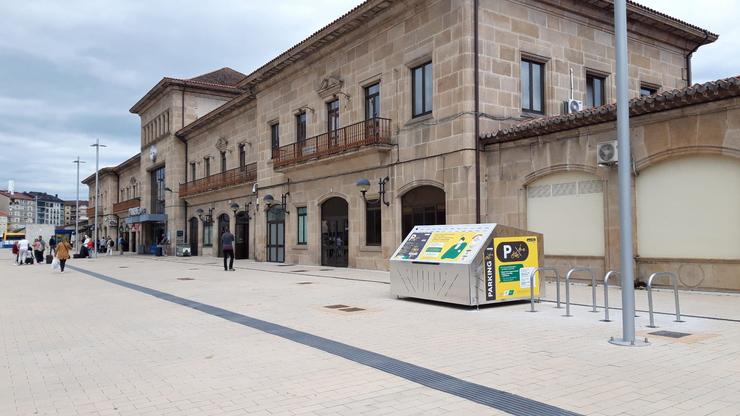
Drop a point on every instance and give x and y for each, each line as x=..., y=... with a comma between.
x=568, y=208
x=689, y=208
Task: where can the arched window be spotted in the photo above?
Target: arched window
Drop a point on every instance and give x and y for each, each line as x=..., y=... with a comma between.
x=689, y=208
x=568, y=209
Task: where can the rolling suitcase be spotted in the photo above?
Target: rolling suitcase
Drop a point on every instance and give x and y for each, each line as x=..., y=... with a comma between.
x=49, y=258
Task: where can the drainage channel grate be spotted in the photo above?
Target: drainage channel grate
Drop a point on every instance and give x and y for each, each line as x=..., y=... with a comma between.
x=304, y=283
x=326, y=270
x=352, y=309
x=344, y=308
x=507, y=402
x=669, y=334
x=185, y=278
x=123, y=267
x=285, y=265
x=298, y=271
x=195, y=268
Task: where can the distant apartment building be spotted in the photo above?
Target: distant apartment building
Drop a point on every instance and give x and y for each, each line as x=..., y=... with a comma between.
x=49, y=208
x=72, y=211
x=21, y=209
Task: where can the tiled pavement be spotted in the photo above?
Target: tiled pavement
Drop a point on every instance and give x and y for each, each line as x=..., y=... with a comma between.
x=73, y=344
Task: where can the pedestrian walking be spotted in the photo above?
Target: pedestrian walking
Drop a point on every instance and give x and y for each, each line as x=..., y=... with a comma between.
x=109, y=246
x=15, y=252
x=41, y=250
x=23, y=247
x=86, y=245
x=121, y=241
x=227, y=243
x=62, y=253
x=52, y=244
x=36, y=246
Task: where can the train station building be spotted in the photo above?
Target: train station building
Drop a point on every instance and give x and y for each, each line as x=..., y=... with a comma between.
x=423, y=112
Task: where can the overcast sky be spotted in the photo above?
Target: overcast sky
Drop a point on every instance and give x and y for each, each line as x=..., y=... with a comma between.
x=70, y=70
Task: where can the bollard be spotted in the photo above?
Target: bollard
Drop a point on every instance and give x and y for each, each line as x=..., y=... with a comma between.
x=650, y=296
x=609, y=274
x=593, y=291
x=567, y=287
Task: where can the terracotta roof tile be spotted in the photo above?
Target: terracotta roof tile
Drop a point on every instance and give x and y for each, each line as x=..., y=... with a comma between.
x=667, y=100
x=224, y=76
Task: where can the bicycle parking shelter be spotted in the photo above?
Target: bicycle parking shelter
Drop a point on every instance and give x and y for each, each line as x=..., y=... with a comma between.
x=467, y=264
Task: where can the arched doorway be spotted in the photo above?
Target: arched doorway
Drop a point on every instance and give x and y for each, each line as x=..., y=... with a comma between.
x=193, y=236
x=224, y=223
x=242, y=236
x=424, y=205
x=276, y=234
x=334, y=232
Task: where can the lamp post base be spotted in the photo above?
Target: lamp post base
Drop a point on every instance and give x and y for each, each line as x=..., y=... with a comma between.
x=624, y=343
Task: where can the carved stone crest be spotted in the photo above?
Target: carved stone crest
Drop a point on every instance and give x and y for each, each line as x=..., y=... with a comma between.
x=330, y=86
x=221, y=144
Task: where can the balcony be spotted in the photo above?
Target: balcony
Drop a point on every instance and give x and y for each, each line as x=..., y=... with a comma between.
x=221, y=180
x=376, y=131
x=125, y=205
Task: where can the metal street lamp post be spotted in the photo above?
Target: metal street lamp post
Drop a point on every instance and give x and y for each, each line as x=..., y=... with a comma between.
x=97, y=147
x=625, y=179
x=77, y=206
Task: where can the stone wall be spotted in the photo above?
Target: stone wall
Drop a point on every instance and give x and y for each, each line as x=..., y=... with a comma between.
x=706, y=129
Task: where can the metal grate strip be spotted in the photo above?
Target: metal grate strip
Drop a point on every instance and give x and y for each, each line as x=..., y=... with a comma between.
x=487, y=396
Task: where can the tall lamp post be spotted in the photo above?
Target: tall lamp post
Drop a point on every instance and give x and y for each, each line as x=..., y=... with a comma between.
x=625, y=180
x=77, y=206
x=97, y=147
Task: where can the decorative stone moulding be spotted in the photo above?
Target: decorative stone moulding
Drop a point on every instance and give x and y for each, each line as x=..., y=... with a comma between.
x=329, y=86
x=222, y=144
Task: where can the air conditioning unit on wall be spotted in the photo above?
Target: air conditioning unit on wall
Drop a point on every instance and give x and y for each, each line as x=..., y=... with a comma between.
x=606, y=153
x=572, y=106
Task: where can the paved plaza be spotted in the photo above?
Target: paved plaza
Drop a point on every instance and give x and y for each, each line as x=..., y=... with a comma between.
x=179, y=336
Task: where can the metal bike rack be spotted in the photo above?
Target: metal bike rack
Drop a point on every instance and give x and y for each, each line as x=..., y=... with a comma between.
x=608, y=275
x=650, y=296
x=531, y=285
x=567, y=287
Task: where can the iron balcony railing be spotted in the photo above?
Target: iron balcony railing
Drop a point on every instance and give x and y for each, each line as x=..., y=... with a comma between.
x=369, y=132
x=125, y=205
x=237, y=176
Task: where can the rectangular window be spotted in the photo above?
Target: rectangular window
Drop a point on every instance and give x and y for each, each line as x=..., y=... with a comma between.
x=646, y=91
x=302, y=225
x=372, y=223
x=595, y=91
x=192, y=172
x=207, y=235
x=223, y=162
x=207, y=166
x=332, y=109
x=372, y=101
x=275, y=138
x=533, y=86
x=158, y=193
x=421, y=86
x=242, y=155
x=300, y=127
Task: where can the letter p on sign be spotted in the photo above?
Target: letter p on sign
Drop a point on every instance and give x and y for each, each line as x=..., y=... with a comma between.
x=507, y=251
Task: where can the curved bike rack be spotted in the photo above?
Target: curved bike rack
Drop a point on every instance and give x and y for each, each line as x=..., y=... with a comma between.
x=650, y=296
x=567, y=287
x=531, y=285
x=608, y=275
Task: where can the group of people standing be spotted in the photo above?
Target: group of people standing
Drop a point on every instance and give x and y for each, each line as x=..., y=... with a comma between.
x=29, y=253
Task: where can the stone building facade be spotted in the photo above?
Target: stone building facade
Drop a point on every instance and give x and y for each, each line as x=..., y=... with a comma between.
x=385, y=97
